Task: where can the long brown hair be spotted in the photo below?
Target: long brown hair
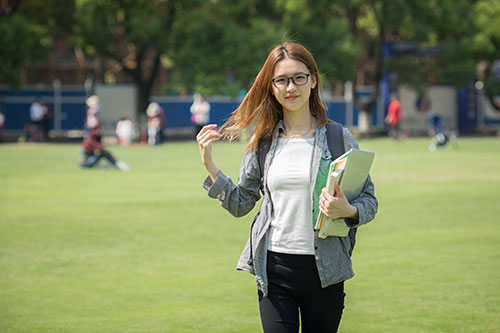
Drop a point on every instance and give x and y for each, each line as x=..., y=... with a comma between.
x=260, y=109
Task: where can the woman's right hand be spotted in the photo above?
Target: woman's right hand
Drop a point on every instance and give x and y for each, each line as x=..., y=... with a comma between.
x=205, y=138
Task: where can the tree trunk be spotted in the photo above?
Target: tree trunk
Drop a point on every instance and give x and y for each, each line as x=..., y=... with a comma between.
x=142, y=104
x=144, y=86
x=366, y=105
x=142, y=97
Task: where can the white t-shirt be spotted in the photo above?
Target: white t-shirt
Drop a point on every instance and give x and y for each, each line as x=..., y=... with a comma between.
x=36, y=111
x=201, y=112
x=291, y=229
x=125, y=129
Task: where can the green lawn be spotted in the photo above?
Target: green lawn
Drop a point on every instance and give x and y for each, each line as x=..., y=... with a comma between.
x=147, y=251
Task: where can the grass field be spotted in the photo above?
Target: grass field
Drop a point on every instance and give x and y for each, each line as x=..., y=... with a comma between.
x=147, y=251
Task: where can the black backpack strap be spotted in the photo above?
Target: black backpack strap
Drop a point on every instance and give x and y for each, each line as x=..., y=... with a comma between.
x=262, y=150
x=335, y=138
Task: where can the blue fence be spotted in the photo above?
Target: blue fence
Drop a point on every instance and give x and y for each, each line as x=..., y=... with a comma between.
x=16, y=104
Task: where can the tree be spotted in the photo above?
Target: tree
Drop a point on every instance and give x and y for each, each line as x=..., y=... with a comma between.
x=220, y=45
x=443, y=36
x=487, y=47
x=27, y=31
x=132, y=33
x=328, y=38
x=22, y=46
x=445, y=25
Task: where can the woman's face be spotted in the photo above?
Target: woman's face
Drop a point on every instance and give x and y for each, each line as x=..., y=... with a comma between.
x=294, y=97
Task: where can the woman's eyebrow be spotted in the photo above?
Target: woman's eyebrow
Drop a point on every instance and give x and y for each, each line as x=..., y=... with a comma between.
x=296, y=73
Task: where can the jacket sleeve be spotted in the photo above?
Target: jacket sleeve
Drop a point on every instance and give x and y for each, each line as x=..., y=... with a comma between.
x=239, y=199
x=366, y=202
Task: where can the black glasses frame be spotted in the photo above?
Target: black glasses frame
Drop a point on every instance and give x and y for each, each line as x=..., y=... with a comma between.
x=288, y=78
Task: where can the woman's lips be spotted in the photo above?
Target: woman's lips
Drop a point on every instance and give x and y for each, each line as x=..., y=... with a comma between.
x=291, y=97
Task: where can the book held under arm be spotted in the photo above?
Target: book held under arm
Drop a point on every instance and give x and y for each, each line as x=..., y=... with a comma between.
x=350, y=171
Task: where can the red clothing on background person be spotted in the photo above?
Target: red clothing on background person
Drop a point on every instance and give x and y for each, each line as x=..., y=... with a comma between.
x=93, y=141
x=394, y=118
x=394, y=113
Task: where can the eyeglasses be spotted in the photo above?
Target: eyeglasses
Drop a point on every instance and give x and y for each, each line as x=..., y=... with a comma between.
x=282, y=82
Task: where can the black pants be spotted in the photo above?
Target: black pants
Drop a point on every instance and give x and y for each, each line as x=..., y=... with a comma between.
x=90, y=160
x=295, y=288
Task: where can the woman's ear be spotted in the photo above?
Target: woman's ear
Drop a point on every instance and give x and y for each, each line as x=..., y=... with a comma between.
x=313, y=81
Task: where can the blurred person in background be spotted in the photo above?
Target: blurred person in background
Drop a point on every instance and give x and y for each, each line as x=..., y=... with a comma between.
x=394, y=118
x=2, y=123
x=92, y=151
x=92, y=117
x=300, y=277
x=2, y=115
x=163, y=124
x=46, y=121
x=440, y=136
x=125, y=131
x=200, y=112
x=156, y=123
x=37, y=113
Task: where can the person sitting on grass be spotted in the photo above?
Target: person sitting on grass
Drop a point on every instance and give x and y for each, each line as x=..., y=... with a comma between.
x=93, y=150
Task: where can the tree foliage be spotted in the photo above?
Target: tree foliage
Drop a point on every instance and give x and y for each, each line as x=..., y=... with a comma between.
x=327, y=36
x=27, y=34
x=218, y=46
x=22, y=46
x=487, y=46
x=132, y=33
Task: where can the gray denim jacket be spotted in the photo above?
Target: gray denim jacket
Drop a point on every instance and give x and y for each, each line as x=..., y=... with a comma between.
x=332, y=254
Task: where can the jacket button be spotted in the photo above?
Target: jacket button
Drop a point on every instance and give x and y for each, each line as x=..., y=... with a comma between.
x=315, y=247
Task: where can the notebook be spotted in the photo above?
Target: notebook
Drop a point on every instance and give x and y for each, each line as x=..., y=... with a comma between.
x=350, y=171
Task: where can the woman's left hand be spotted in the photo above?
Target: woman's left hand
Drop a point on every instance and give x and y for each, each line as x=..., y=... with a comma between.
x=336, y=206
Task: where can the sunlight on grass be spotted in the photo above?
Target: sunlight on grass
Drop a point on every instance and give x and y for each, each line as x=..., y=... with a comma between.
x=146, y=250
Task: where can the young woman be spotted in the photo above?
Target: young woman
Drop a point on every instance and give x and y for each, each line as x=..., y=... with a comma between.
x=297, y=273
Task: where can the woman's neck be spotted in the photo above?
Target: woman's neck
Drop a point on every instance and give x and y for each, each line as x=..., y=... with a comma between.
x=299, y=125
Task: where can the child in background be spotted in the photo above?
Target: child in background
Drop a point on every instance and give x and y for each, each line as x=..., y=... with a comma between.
x=125, y=131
